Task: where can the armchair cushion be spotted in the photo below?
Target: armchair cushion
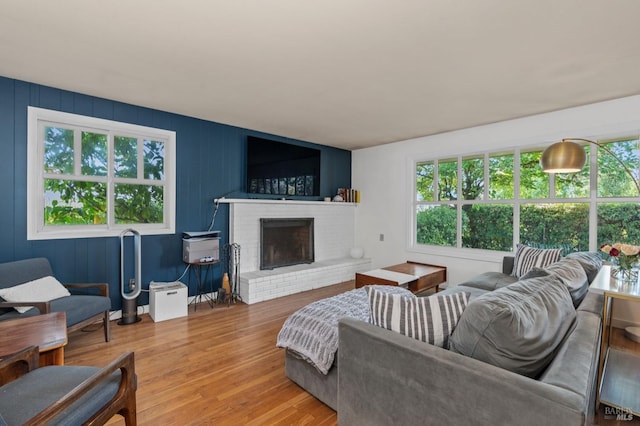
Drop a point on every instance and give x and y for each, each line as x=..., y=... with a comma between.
x=84, y=304
x=77, y=307
x=39, y=290
x=22, y=399
x=80, y=307
x=64, y=395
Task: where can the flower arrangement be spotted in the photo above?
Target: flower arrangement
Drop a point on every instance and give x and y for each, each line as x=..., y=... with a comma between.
x=626, y=255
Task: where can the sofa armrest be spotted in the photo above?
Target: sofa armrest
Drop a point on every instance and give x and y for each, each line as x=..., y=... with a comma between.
x=43, y=307
x=18, y=364
x=387, y=378
x=103, y=288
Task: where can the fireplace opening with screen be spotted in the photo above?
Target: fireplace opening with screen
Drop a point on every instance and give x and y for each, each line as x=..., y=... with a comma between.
x=286, y=242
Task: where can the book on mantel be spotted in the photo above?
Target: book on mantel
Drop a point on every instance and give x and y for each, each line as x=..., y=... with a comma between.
x=349, y=195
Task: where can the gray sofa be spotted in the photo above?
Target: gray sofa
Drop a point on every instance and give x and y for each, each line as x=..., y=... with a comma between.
x=387, y=378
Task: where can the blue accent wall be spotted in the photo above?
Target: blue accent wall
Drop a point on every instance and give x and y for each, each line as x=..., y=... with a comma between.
x=209, y=164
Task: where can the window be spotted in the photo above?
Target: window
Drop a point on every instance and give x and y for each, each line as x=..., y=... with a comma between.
x=492, y=201
x=90, y=177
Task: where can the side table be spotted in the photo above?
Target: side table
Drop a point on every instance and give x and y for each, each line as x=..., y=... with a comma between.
x=201, y=282
x=618, y=371
x=47, y=331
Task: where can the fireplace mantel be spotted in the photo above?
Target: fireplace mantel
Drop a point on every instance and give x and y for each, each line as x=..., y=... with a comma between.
x=286, y=201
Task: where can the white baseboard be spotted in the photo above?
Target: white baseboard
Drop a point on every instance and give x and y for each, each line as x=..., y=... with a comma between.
x=144, y=309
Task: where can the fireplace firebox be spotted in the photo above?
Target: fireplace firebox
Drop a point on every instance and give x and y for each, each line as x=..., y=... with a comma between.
x=286, y=242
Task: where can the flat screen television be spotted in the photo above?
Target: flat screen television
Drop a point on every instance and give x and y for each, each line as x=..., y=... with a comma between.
x=282, y=169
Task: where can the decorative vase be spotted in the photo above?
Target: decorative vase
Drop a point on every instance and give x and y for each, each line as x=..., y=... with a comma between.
x=624, y=271
x=356, y=252
x=225, y=286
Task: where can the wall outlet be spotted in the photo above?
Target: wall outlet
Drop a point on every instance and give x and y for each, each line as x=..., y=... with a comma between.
x=132, y=284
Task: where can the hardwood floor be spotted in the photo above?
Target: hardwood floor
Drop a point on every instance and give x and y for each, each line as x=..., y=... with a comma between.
x=220, y=366
x=217, y=366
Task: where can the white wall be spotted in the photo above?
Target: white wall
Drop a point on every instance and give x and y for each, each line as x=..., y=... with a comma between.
x=384, y=175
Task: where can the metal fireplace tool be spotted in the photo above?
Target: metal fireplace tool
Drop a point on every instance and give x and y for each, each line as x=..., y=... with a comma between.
x=231, y=259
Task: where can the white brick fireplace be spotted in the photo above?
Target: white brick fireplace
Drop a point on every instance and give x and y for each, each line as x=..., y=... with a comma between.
x=334, y=236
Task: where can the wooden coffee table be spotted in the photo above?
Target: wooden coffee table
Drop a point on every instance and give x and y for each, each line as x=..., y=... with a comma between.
x=415, y=276
x=47, y=331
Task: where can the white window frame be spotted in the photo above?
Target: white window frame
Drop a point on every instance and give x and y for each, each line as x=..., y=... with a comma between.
x=36, y=229
x=481, y=254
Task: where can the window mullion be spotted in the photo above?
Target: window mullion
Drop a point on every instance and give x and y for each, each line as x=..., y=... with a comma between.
x=593, y=198
x=140, y=149
x=77, y=152
x=110, y=178
x=516, y=197
x=459, y=199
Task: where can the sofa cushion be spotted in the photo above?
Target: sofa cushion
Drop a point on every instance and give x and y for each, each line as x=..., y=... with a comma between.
x=593, y=302
x=575, y=364
x=591, y=262
x=462, y=288
x=519, y=327
x=40, y=290
x=428, y=319
x=490, y=280
x=572, y=275
x=527, y=258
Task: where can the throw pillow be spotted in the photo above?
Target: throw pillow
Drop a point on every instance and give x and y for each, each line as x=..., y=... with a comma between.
x=519, y=327
x=429, y=319
x=570, y=272
x=41, y=290
x=591, y=262
x=526, y=258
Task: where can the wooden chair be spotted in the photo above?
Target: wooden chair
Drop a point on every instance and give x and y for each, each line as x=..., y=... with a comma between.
x=65, y=394
x=87, y=304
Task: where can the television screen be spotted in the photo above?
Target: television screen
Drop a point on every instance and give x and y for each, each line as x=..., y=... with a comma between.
x=284, y=169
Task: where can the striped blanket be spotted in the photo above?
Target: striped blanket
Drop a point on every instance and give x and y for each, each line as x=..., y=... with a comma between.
x=312, y=331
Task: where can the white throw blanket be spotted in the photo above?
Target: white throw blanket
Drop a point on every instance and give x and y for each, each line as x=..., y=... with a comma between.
x=312, y=331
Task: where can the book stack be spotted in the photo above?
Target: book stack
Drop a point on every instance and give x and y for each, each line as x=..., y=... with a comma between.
x=349, y=195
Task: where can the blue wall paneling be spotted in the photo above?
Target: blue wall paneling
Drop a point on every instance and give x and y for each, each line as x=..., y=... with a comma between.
x=209, y=164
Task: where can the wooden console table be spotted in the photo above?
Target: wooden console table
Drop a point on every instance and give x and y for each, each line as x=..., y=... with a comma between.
x=47, y=331
x=415, y=276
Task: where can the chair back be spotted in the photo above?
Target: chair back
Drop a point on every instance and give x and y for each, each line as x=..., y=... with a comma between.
x=22, y=271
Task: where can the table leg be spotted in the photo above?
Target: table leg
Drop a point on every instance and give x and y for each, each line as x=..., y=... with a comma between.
x=604, y=343
x=52, y=357
x=201, y=285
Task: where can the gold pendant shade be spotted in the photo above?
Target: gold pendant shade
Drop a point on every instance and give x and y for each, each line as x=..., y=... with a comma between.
x=563, y=157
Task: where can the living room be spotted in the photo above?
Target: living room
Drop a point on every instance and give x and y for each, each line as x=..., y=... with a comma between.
x=597, y=98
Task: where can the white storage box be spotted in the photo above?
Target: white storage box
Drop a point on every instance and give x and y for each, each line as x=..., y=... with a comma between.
x=167, y=300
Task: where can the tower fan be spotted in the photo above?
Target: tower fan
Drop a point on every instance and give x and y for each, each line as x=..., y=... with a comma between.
x=130, y=290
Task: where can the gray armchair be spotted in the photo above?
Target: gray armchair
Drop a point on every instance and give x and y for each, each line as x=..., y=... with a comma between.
x=87, y=303
x=65, y=395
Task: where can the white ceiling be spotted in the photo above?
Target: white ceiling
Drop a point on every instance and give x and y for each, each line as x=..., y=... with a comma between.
x=346, y=73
